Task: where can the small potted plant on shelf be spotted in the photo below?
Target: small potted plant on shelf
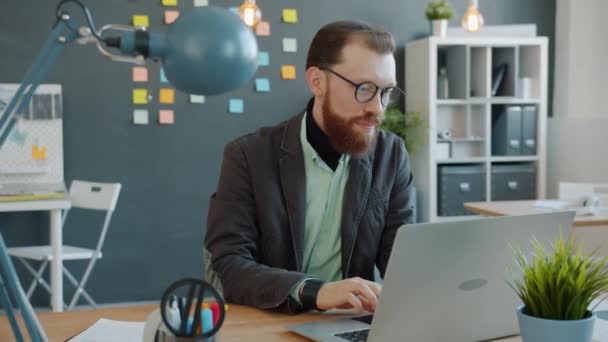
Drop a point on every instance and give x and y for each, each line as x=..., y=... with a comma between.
x=409, y=126
x=439, y=12
x=557, y=289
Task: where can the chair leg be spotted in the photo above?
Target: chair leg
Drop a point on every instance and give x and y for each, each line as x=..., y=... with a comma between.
x=79, y=291
x=37, y=275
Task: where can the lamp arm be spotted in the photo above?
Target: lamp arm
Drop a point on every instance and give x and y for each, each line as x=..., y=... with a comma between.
x=64, y=31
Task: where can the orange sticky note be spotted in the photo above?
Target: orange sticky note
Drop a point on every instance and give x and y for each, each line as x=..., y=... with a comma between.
x=262, y=28
x=141, y=20
x=38, y=153
x=167, y=96
x=288, y=72
x=169, y=2
x=140, y=74
x=166, y=117
x=171, y=16
x=140, y=96
x=290, y=15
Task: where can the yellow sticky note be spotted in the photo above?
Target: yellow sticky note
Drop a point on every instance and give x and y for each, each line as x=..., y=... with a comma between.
x=140, y=96
x=169, y=2
x=38, y=153
x=171, y=16
x=141, y=20
x=166, y=117
x=288, y=72
x=140, y=74
x=262, y=28
x=167, y=96
x=290, y=15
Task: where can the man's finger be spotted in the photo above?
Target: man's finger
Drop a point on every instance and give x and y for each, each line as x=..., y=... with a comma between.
x=355, y=302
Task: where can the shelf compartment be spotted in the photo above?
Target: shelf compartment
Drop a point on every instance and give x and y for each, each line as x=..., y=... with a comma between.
x=504, y=68
x=454, y=59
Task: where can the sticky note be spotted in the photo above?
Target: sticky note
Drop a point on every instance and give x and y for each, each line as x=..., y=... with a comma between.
x=234, y=10
x=262, y=28
x=236, y=106
x=290, y=45
x=140, y=96
x=140, y=74
x=263, y=58
x=141, y=20
x=288, y=72
x=201, y=3
x=140, y=116
x=171, y=16
x=166, y=117
x=197, y=98
x=262, y=85
x=18, y=137
x=38, y=153
x=166, y=96
x=169, y=2
x=163, y=77
x=290, y=15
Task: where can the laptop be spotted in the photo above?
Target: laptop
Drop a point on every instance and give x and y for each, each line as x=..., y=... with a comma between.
x=14, y=189
x=447, y=282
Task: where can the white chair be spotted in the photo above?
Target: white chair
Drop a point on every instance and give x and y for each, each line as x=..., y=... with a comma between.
x=83, y=195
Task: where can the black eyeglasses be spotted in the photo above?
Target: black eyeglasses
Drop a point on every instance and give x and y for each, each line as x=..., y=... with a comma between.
x=366, y=91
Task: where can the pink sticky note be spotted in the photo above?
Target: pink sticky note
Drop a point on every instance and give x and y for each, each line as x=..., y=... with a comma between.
x=171, y=16
x=166, y=117
x=263, y=28
x=140, y=74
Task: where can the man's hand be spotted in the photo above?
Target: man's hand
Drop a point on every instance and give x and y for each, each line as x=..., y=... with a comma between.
x=353, y=293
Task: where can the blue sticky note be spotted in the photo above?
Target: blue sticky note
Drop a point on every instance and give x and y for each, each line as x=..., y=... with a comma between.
x=262, y=85
x=163, y=78
x=263, y=58
x=234, y=10
x=18, y=137
x=236, y=106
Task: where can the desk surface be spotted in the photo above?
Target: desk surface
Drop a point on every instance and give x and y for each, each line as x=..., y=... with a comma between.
x=512, y=208
x=58, y=203
x=241, y=323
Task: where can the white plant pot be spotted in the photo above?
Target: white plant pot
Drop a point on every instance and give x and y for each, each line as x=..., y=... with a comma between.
x=440, y=27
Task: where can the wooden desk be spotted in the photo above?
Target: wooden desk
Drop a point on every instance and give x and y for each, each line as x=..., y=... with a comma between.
x=513, y=208
x=242, y=323
x=54, y=207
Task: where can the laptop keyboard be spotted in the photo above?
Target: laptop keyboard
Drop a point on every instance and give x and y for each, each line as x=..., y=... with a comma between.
x=354, y=336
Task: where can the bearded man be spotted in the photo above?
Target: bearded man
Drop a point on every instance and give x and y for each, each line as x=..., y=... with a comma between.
x=306, y=210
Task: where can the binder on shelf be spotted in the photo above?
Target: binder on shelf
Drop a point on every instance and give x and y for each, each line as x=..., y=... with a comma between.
x=506, y=132
x=528, y=130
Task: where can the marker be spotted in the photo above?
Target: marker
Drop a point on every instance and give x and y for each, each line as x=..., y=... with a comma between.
x=207, y=320
x=215, y=309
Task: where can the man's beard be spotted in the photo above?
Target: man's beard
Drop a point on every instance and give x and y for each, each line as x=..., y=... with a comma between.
x=342, y=134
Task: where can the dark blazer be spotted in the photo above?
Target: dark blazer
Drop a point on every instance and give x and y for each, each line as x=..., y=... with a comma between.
x=255, y=225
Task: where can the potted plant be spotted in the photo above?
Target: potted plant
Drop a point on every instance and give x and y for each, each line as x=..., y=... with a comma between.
x=409, y=126
x=557, y=289
x=439, y=12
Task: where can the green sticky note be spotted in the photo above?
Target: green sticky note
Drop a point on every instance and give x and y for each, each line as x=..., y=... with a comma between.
x=236, y=106
x=140, y=116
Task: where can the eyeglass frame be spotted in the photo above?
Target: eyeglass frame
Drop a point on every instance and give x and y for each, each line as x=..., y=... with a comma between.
x=358, y=85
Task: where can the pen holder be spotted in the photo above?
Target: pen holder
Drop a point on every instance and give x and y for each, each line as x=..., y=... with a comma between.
x=190, y=310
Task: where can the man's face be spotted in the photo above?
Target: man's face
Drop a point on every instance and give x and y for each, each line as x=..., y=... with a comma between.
x=353, y=126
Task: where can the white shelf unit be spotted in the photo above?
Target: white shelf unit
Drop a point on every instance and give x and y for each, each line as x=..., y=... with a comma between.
x=468, y=111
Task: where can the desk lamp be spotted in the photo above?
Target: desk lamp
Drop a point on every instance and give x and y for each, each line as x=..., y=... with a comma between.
x=206, y=51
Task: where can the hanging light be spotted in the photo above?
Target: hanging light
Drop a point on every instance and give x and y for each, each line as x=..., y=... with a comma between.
x=250, y=13
x=472, y=20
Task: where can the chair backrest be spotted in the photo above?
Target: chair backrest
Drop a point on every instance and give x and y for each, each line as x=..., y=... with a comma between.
x=94, y=195
x=577, y=191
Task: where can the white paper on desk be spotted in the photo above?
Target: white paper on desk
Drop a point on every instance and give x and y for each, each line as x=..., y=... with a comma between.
x=107, y=330
x=551, y=204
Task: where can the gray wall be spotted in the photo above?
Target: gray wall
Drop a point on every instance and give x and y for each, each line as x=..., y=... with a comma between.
x=169, y=172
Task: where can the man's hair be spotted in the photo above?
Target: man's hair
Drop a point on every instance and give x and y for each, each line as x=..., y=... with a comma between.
x=326, y=47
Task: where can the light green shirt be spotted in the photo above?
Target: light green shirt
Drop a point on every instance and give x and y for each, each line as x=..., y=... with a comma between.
x=324, y=198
